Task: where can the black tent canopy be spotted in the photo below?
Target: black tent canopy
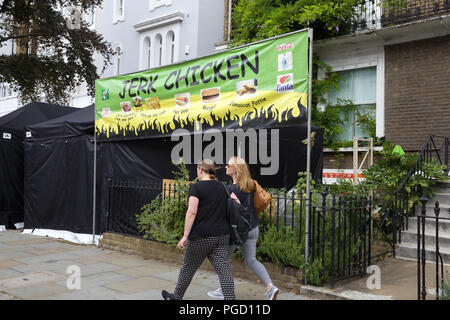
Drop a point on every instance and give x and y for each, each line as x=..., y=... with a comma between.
x=13, y=132
x=59, y=168
x=150, y=159
x=59, y=173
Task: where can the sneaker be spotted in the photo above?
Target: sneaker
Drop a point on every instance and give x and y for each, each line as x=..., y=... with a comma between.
x=167, y=296
x=217, y=294
x=272, y=293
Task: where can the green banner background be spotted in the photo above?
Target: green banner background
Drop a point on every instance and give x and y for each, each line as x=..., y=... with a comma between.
x=257, y=85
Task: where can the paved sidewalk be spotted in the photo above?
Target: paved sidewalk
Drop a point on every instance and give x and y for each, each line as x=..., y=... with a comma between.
x=34, y=267
x=398, y=281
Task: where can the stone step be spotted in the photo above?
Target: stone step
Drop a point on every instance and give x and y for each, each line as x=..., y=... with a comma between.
x=430, y=225
x=444, y=210
x=410, y=238
x=409, y=251
x=441, y=186
x=442, y=196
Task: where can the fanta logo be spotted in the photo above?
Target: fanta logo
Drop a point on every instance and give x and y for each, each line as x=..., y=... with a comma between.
x=285, y=83
x=283, y=79
x=286, y=88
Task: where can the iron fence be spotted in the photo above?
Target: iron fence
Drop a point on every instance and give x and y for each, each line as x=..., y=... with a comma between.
x=435, y=149
x=339, y=229
x=126, y=197
x=423, y=245
x=341, y=235
x=375, y=14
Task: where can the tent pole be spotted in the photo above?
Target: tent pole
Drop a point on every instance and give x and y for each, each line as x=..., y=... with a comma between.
x=308, y=152
x=94, y=186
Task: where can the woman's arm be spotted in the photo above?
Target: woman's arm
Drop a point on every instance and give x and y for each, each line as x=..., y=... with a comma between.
x=189, y=221
x=233, y=196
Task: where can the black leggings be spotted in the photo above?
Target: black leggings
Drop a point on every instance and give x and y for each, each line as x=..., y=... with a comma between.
x=216, y=249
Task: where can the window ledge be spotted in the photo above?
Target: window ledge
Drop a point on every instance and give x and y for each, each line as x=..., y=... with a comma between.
x=117, y=20
x=350, y=149
x=159, y=22
x=8, y=97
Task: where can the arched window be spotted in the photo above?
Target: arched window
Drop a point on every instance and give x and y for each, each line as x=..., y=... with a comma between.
x=170, y=41
x=159, y=50
x=147, y=50
x=117, y=56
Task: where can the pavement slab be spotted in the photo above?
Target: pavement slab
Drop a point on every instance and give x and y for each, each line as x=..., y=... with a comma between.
x=28, y=280
x=7, y=263
x=98, y=280
x=8, y=273
x=38, y=292
x=98, y=268
x=57, y=266
x=139, y=285
x=96, y=293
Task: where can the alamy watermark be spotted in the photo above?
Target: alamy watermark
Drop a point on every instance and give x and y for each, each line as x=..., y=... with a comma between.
x=73, y=282
x=374, y=281
x=262, y=146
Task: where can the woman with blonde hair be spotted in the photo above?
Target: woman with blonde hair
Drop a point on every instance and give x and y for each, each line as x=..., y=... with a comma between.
x=243, y=187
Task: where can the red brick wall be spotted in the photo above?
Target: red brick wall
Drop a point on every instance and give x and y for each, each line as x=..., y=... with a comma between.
x=417, y=91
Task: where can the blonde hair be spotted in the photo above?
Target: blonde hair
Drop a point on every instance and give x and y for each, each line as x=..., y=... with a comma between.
x=243, y=177
x=207, y=165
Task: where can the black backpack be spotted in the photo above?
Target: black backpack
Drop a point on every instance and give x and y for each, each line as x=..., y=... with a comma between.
x=239, y=220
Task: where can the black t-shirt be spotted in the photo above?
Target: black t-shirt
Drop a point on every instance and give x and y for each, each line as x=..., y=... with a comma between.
x=246, y=199
x=211, y=218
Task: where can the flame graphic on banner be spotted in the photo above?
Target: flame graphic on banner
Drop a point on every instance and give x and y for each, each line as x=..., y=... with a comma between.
x=268, y=105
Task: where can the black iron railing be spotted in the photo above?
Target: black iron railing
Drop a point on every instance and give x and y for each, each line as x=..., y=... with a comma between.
x=423, y=254
x=126, y=197
x=339, y=234
x=403, y=11
x=436, y=149
x=376, y=14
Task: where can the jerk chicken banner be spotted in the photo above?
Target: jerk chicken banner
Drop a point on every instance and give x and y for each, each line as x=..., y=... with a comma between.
x=260, y=85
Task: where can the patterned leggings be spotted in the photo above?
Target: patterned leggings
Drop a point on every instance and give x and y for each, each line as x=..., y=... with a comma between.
x=216, y=249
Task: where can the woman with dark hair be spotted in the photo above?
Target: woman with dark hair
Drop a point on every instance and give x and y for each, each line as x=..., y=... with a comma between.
x=206, y=233
x=243, y=187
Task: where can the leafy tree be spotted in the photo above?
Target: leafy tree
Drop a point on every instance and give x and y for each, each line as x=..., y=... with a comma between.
x=254, y=20
x=53, y=54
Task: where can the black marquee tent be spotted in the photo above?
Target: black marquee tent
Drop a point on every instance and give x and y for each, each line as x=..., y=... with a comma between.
x=59, y=167
x=12, y=130
x=150, y=159
x=59, y=173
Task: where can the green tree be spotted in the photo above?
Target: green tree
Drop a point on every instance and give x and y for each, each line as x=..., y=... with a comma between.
x=53, y=54
x=254, y=20
x=260, y=19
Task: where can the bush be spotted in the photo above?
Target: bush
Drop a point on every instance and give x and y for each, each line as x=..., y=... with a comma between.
x=281, y=246
x=163, y=218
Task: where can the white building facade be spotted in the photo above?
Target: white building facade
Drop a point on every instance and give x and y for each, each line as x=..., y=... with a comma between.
x=144, y=34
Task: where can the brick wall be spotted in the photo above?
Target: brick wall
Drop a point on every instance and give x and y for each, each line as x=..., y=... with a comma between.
x=417, y=91
x=343, y=160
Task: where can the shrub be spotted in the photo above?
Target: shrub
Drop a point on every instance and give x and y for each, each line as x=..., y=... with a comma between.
x=163, y=218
